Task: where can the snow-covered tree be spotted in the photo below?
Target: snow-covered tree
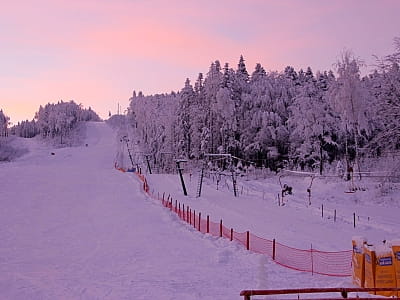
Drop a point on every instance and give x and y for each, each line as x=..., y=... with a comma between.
x=4, y=122
x=312, y=122
x=186, y=114
x=349, y=100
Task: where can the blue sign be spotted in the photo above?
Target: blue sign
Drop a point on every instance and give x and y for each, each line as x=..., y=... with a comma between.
x=397, y=254
x=357, y=249
x=385, y=261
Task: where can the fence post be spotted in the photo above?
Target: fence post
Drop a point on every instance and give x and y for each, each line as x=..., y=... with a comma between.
x=179, y=210
x=220, y=228
x=231, y=234
x=199, y=221
x=194, y=218
x=334, y=217
x=187, y=214
x=273, y=249
x=176, y=206
x=354, y=220
x=322, y=210
x=190, y=216
x=208, y=224
x=183, y=211
x=248, y=240
x=312, y=261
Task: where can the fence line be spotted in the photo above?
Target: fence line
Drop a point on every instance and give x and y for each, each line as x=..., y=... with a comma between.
x=338, y=263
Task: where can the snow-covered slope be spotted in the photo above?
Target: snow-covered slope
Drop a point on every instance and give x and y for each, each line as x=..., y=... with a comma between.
x=296, y=224
x=72, y=227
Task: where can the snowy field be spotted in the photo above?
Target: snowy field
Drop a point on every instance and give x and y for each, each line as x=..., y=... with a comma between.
x=72, y=227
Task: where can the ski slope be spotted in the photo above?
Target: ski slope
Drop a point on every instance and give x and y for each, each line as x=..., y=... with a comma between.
x=72, y=227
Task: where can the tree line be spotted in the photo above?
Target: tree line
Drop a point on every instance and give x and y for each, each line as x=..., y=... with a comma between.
x=50, y=121
x=276, y=119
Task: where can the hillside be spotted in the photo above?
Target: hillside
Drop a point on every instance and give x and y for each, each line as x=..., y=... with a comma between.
x=72, y=227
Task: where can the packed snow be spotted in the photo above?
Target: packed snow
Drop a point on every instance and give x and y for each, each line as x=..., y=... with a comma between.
x=72, y=227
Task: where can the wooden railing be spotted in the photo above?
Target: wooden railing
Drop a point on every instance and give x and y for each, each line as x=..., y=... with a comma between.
x=343, y=292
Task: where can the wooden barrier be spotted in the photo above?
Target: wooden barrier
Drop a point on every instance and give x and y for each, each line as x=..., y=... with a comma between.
x=343, y=292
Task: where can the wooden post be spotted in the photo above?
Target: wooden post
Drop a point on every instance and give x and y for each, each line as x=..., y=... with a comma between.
x=354, y=220
x=187, y=214
x=334, y=216
x=183, y=211
x=194, y=218
x=208, y=224
x=231, y=234
x=176, y=206
x=190, y=216
x=273, y=249
x=248, y=240
x=220, y=228
x=322, y=210
x=179, y=210
x=199, y=221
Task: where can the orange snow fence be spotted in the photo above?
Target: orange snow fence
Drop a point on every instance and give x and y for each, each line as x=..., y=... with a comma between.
x=311, y=260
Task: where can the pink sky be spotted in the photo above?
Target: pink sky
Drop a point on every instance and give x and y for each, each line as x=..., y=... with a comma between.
x=97, y=52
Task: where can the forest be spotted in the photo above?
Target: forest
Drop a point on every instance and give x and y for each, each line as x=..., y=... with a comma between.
x=289, y=119
x=52, y=120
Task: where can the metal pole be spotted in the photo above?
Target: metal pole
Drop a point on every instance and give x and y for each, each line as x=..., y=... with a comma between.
x=181, y=176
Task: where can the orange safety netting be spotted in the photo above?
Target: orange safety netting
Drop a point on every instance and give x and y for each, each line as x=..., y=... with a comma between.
x=311, y=260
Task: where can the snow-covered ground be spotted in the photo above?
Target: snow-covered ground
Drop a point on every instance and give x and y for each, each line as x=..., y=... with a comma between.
x=72, y=227
x=295, y=224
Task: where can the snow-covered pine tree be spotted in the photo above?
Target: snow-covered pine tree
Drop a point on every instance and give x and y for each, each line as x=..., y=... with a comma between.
x=185, y=116
x=312, y=124
x=4, y=122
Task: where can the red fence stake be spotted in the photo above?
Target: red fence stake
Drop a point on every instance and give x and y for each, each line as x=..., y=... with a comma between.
x=187, y=214
x=179, y=210
x=190, y=216
x=199, y=220
x=220, y=228
x=176, y=206
x=248, y=240
x=273, y=249
x=183, y=210
x=194, y=218
x=208, y=224
x=231, y=234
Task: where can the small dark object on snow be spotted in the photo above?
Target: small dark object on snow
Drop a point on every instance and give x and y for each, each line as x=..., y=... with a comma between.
x=52, y=153
x=86, y=145
x=286, y=190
